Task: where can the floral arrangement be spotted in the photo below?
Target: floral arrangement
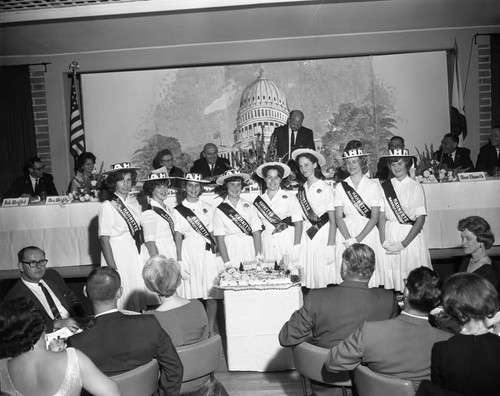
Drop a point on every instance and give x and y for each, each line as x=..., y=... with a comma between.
x=430, y=170
x=88, y=186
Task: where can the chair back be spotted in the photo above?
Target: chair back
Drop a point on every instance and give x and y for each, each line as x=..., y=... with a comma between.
x=199, y=360
x=369, y=383
x=142, y=380
x=309, y=361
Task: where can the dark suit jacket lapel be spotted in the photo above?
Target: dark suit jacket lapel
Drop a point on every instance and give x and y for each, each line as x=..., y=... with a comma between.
x=28, y=186
x=56, y=290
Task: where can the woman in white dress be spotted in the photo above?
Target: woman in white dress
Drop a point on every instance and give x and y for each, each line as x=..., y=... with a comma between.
x=120, y=235
x=315, y=196
x=196, y=247
x=401, y=222
x=358, y=200
x=158, y=219
x=237, y=227
x=281, y=215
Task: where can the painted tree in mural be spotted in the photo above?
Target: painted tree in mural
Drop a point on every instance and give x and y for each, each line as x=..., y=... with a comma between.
x=369, y=123
x=143, y=157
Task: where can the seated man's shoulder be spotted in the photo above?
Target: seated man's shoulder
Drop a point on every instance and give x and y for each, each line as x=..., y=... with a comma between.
x=464, y=150
x=48, y=177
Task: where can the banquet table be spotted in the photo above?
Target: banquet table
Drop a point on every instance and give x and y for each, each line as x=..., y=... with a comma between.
x=254, y=318
x=68, y=233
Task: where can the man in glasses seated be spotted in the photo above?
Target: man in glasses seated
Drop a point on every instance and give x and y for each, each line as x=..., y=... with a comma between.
x=47, y=289
x=34, y=183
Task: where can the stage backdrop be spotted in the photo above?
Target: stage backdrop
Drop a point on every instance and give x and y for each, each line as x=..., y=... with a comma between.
x=131, y=115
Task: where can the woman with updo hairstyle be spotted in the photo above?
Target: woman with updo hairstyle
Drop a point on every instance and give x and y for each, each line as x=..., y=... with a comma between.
x=477, y=238
x=281, y=216
x=469, y=362
x=358, y=200
x=315, y=196
x=28, y=368
x=237, y=227
x=401, y=222
x=185, y=321
x=121, y=236
x=85, y=164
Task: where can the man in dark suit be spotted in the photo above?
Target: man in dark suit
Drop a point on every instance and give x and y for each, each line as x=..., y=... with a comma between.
x=34, y=182
x=47, y=289
x=329, y=315
x=399, y=347
x=117, y=343
x=210, y=165
x=292, y=136
x=488, y=159
x=453, y=156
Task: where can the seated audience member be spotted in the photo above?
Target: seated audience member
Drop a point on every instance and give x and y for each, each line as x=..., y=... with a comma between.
x=330, y=314
x=117, y=343
x=85, y=164
x=34, y=183
x=453, y=156
x=47, y=289
x=165, y=159
x=210, y=164
x=399, y=347
x=468, y=363
x=185, y=321
x=383, y=170
x=488, y=159
x=477, y=238
x=28, y=368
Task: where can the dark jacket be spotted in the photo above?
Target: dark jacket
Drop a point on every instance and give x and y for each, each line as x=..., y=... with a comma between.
x=487, y=159
x=201, y=166
x=117, y=343
x=304, y=139
x=23, y=185
x=56, y=283
x=462, y=159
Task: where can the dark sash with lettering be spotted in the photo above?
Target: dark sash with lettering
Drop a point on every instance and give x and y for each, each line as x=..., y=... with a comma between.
x=266, y=211
x=316, y=222
x=132, y=225
x=164, y=215
x=236, y=218
x=357, y=201
x=197, y=225
x=394, y=203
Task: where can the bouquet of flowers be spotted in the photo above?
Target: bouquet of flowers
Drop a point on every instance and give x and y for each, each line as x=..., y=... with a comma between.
x=431, y=170
x=88, y=186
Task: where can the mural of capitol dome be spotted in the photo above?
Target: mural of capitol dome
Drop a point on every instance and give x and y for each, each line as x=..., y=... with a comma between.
x=263, y=107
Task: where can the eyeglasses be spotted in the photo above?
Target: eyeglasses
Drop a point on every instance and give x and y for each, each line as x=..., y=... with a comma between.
x=39, y=168
x=34, y=263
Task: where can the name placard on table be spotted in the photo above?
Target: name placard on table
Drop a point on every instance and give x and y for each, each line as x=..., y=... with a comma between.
x=471, y=176
x=11, y=202
x=57, y=200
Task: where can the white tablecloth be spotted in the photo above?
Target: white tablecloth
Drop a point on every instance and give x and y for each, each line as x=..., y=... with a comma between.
x=254, y=319
x=68, y=234
x=447, y=203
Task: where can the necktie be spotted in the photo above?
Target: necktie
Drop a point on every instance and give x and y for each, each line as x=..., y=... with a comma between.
x=51, y=302
x=36, y=185
x=212, y=169
x=292, y=141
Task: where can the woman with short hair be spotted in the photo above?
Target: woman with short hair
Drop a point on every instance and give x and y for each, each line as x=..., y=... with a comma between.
x=280, y=214
x=477, y=238
x=237, y=227
x=358, y=200
x=401, y=222
x=315, y=196
x=28, y=368
x=85, y=164
x=468, y=363
x=121, y=237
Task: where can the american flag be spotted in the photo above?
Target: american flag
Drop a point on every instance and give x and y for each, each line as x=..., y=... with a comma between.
x=76, y=133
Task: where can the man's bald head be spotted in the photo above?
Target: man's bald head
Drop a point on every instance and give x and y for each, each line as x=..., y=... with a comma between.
x=295, y=120
x=211, y=153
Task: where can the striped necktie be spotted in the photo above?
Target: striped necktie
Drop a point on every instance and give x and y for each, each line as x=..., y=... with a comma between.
x=51, y=302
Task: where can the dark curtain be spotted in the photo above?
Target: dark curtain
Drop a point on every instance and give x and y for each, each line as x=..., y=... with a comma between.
x=495, y=79
x=17, y=129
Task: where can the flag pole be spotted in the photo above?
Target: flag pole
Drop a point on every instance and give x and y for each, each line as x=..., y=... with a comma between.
x=77, y=134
